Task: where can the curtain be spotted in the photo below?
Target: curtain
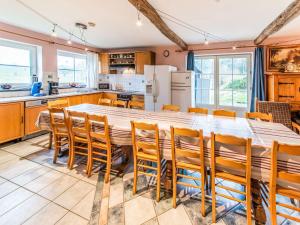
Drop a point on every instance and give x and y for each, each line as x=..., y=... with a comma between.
x=92, y=65
x=258, y=81
x=190, y=61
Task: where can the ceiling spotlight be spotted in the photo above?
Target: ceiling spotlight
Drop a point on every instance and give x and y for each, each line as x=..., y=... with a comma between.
x=139, y=21
x=69, y=42
x=206, y=42
x=53, y=34
x=86, y=49
x=233, y=47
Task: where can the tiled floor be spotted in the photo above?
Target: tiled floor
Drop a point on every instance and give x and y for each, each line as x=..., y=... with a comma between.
x=34, y=191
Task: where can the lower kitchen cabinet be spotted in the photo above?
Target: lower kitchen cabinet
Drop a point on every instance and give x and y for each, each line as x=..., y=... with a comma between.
x=11, y=121
x=75, y=100
x=91, y=98
x=31, y=115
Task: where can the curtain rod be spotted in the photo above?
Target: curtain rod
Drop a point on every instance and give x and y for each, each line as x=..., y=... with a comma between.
x=44, y=40
x=224, y=48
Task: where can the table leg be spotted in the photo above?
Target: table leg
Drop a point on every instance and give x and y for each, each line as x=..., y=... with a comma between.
x=258, y=209
x=50, y=140
x=168, y=179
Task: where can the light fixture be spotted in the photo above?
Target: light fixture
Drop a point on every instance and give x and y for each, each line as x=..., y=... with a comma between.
x=53, y=34
x=206, y=41
x=233, y=47
x=86, y=49
x=139, y=21
x=70, y=40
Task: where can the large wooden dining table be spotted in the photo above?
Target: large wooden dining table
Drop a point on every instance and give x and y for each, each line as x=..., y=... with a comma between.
x=262, y=133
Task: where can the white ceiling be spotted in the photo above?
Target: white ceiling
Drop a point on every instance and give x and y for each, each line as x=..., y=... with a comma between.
x=115, y=19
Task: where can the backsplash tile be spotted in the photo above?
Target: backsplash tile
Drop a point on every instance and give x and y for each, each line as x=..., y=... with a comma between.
x=128, y=82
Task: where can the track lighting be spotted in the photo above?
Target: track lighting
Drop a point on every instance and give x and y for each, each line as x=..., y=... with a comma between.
x=139, y=21
x=53, y=34
x=206, y=41
x=70, y=40
x=233, y=47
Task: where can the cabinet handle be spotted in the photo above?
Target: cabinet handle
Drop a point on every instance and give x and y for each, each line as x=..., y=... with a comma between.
x=286, y=96
x=286, y=83
x=22, y=119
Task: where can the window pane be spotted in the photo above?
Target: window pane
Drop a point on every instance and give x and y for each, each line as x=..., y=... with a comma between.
x=66, y=76
x=207, y=97
x=225, y=65
x=207, y=66
x=206, y=81
x=64, y=62
x=225, y=82
x=80, y=76
x=15, y=74
x=225, y=98
x=240, y=66
x=14, y=56
x=239, y=82
x=80, y=64
x=240, y=98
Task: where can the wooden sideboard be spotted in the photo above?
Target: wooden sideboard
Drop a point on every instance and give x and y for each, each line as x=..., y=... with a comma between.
x=284, y=88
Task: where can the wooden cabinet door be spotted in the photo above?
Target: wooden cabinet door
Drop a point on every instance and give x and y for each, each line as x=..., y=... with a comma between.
x=75, y=100
x=287, y=89
x=104, y=59
x=91, y=98
x=31, y=115
x=11, y=121
x=142, y=59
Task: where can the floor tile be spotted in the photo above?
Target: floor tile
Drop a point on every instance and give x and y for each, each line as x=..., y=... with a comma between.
x=74, y=195
x=80, y=173
x=2, y=180
x=116, y=194
x=16, y=167
x=40, y=140
x=72, y=219
x=116, y=215
x=24, y=210
x=176, y=216
x=104, y=211
x=6, y=188
x=13, y=199
x=6, y=156
x=43, y=181
x=153, y=221
x=49, y=215
x=57, y=187
x=41, y=157
x=84, y=207
x=23, y=148
x=30, y=175
x=138, y=211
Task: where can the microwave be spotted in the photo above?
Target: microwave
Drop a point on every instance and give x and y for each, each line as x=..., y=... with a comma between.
x=104, y=86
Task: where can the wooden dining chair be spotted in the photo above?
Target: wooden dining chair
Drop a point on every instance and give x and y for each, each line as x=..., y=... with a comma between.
x=259, y=116
x=99, y=139
x=198, y=110
x=278, y=173
x=59, y=130
x=174, y=108
x=136, y=105
x=120, y=103
x=59, y=103
x=180, y=154
x=105, y=101
x=220, y=164
x=145, y=152
x=222, y=112
x=78, y=129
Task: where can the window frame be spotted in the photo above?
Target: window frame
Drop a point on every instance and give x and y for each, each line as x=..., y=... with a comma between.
x=33, y=59
x=74, y=55
x=216, y=57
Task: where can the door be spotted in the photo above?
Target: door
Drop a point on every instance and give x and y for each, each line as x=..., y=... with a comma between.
x=31, y=115
x=142, y=59
x=11, y=121
x=181, y=96
x=104, y=59
x=75, y=100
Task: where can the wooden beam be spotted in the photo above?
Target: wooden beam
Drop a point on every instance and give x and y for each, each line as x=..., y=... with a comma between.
x=291, y=12
x=148, y=11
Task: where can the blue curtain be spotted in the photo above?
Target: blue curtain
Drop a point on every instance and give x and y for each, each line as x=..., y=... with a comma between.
x=190, y=61
x=258, y=82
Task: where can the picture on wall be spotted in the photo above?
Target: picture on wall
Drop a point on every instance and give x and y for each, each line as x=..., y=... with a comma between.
x=283, y=59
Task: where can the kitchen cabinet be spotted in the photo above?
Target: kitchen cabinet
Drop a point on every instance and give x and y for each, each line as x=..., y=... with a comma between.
x=75, y=100
x=11, y=121
x=104, y=59
x=109, y=95
x=138, y=98
x=142, y=59
x=31, y=115
x=91, y=98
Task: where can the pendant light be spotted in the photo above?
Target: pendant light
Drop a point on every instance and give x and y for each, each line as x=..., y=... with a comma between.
x=139, y=21
x=53, y=34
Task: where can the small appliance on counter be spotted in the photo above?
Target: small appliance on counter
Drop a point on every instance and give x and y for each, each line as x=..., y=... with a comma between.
x=50, y=83
x=104, y=86
x=36, y=89
x=52, y=88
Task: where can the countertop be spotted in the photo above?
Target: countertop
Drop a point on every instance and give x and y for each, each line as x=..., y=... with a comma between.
x=32, y=98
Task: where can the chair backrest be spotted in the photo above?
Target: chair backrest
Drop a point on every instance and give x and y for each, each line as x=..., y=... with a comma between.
x=59, y=103
x=259, y=116
x=78, y=124
x=98, y=129
x=234, y=143
x=222, y=112
x=181, y=147
x=281, y=111
x=140, y=145
x=174, y=108
x=292, y=150
x=104, y=101
x=120, y=103
x=57, y=124
x=198, y=110
x=136, y=105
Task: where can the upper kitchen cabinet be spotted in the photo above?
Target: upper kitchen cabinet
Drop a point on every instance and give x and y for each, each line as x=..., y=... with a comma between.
x=143, y=58
x=104, y=60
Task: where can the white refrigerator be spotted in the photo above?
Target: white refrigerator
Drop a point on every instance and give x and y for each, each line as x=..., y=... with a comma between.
x=158, y=86
x=183, y=89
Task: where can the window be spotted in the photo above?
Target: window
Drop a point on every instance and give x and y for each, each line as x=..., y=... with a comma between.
x=71, y=68
x=17, y=63
x=223, y=81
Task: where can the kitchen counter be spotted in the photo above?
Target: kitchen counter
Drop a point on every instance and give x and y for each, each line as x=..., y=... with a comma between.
x=32, y=98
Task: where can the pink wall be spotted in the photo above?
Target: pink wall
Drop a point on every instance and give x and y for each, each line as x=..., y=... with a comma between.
x=49, y=48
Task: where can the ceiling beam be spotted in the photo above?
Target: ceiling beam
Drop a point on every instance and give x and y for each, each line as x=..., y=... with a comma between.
x=285, y=17
x=148, y=11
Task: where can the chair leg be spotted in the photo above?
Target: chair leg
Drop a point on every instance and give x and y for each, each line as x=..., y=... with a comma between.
x=56, y=151
x=213, y=196
x=158, y=182
x=108, y=167
x=89, y=161
x=248, y=200
x=273, y=213
x=50, y=139
x=70, y=153
x=72, y=156
x=203, y=182
x=135, y=173
x=174, y=171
